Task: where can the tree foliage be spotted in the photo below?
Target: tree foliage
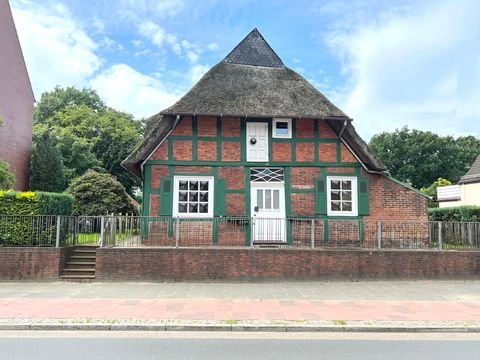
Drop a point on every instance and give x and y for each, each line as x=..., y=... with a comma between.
x=89, y=134
x=99, y=194
x=432, y=190
x=7, y=178
x=420, y=157
x=46, y=167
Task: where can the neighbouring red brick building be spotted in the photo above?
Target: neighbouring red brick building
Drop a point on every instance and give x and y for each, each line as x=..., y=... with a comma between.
x=254, y=139
x=16, y=101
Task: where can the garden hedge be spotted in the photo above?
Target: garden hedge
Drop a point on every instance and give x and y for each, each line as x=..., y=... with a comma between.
x=458, y=213
x=31, y=230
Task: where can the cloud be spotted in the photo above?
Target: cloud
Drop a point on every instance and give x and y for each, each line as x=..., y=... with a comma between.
x=419, y=68
x=57, y=50
x=126, y=89
x=196, y=72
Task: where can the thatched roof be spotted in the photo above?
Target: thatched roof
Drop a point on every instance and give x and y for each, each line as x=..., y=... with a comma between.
x=252, y=81
x=473, y=174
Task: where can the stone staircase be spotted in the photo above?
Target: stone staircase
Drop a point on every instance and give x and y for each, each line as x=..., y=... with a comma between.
x=81, y=265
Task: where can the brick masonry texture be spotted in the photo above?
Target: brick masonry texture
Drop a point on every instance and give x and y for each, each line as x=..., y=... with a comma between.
x=184, y=127
x=303, y=204
x=182, y=150
x=304, y=128
x=154, y=205
x=347, y=156
x=161, y=153
x=207, y=126
x=231, y=151
x=305, y=152
x=236, y=204
x=325, y=131
x=207, y=150
x=235, y=176
x=327, y=152
x=304, y=177
x=391, y=201
x=158, y=171
x=32, y=263
x=231, y=127
x=269, y=264
x=282, y=151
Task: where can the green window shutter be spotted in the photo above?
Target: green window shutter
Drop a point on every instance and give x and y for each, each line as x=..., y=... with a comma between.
x=321, y=196
x=166, y=196
x=363, y=197
x=220, y=207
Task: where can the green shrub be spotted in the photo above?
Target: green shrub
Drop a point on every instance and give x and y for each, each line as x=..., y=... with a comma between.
x=458, y=213
x=31, y=230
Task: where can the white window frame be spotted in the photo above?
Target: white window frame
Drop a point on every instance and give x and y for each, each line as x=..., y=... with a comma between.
x=211, y=196
x=274, y=127
x=354, y=211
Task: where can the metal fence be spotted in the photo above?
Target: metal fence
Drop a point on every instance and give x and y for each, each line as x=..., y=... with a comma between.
x=138, y=231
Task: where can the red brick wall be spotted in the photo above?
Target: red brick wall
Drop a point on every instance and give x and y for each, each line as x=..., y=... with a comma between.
x=207, y=150
x=157, y=172
x=236, y=204
x=32, y=263
x=231, y=126
x=182, y=150
x=161, y=153
x=303, y=204
x=304, y=177
x=207, y=126
x=325, y=131
x=347, y=156
x=391, y=201
x=184, y=127
x=327, y=152
x=235, y=176
x=305, y=152
x=304, y=128
x=262, y=264
x=282, y=151
x=231, y=151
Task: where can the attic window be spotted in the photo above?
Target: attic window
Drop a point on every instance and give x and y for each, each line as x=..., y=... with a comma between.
x=282, y=128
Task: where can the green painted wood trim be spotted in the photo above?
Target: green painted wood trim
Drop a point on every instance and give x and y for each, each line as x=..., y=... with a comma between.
x=248, y=229
x=302, y=191
x=235, y=191
x=288, y=195
x=315, y=136
x=326, y=234
x=243, y=140
x=146, y=190
x=255, y=164
x=339, y=152
x=155, y=191
x=171, y=170
x=170, y=151
x=219, y=138
x=205, y=138
x=195, y=139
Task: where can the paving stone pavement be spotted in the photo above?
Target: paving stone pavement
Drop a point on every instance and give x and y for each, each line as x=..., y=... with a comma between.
x=272, y=306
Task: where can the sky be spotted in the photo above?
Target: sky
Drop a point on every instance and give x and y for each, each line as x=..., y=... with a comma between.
x=386, y=64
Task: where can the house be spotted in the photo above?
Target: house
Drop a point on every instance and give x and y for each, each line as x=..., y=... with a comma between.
x=16, y=101
x=466, y=192
x=253, y=139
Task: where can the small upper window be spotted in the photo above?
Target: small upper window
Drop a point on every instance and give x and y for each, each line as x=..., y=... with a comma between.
x=282, y=128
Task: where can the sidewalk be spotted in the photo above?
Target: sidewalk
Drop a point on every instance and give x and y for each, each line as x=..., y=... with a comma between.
x=283, y=306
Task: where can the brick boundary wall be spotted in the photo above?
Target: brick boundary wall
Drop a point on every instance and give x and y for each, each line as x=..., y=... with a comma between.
x=32, y=263
x=269, y=264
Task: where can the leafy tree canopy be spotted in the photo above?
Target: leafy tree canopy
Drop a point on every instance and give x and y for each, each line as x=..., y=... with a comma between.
x=432, y=190
x=99, y=194
x=7, y=178
x=46, y=167
x=421, y=157
x=88, y=133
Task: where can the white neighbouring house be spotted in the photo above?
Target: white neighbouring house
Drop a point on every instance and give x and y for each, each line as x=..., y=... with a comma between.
x=466, y=192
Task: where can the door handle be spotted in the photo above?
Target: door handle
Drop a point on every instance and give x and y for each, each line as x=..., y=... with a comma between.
x=255, y=209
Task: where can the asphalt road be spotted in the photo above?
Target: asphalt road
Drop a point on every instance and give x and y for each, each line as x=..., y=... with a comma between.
x=245, y=346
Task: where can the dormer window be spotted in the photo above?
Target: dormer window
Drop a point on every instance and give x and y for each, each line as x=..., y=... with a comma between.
x=282, y=128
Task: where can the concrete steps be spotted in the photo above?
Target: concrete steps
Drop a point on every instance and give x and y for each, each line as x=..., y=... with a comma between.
x=81, y=265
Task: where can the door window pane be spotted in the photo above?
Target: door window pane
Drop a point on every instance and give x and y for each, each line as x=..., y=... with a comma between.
x=268, y=199
x=276, y=199
x=260, y=198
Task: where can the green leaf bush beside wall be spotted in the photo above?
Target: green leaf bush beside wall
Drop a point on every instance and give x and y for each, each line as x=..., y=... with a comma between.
x=31, y=230
x=458, y=213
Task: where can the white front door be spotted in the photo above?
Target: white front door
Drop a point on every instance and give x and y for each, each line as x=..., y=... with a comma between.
x=257, y=141
x=268, y=212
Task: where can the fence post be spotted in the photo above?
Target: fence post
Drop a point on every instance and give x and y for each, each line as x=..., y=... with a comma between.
x=312, y=233
x=102, y=230
x=470, y=234
x=252, y=230
x=440, y=238
x=75, y=230
x=379, y=234
x=177, y=232
x=57, y=235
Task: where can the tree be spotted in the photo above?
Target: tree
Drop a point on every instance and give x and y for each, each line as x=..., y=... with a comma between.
x=432, y=190
x=58, y=99
x=89, y=134
x=99, y=194
x=421, y=157
x=7, y=178
x=46, y=167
